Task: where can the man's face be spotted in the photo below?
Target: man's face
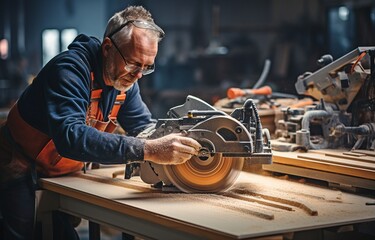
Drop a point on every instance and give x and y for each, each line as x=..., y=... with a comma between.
x=118, y=77
x=124, y=63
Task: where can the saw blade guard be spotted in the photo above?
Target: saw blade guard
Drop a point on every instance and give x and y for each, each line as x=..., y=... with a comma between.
x=210, y=171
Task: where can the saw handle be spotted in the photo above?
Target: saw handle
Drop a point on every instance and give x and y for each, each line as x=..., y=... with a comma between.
x=239, y=92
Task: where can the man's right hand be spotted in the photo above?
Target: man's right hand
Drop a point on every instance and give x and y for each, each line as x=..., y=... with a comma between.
x=170, y=149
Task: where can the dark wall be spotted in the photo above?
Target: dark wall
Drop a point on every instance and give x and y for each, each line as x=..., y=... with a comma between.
x=190, y=25
x=293, y=34
x=85, y=15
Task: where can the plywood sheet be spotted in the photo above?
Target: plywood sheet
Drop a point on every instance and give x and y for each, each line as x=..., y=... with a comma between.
x=255, y=206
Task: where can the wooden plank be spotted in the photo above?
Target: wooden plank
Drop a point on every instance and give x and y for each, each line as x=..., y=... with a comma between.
x=291, y=158
x=342, y=180
x=353, y=156
x=367, y=152
x=335, y=160
x=359, y=153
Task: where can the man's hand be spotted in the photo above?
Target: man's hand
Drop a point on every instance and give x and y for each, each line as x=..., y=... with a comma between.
x=170, y=149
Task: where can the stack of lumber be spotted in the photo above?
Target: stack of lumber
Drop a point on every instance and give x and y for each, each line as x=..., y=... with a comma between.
x=350, y=168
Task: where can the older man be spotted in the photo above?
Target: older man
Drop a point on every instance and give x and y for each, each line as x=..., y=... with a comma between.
x=66, y=116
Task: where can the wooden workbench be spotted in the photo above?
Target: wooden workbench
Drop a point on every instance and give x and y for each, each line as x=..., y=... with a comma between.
x=256, y=206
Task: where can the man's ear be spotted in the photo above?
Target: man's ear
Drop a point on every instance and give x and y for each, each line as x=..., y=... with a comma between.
x=106, y=45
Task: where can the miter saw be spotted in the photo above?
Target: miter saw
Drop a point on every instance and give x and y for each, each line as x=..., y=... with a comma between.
x=228, y=140
x=344, y=115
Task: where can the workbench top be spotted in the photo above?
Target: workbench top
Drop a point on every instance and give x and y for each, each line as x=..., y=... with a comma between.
x=255, y=206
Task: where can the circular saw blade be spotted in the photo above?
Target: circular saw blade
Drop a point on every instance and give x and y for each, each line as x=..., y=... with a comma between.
x=214, y=174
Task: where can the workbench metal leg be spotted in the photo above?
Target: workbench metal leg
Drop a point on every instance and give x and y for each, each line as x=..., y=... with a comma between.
x=94, y=231
x=47, y=226
x=45, y=203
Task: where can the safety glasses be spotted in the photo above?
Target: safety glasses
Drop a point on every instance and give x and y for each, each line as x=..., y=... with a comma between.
x=132, y=67
x=140, y=24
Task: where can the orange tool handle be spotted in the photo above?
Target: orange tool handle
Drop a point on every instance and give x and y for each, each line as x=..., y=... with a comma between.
x=238, y=92
x=302, y=103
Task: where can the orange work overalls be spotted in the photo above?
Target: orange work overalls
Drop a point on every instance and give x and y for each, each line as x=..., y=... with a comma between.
x=28, y=144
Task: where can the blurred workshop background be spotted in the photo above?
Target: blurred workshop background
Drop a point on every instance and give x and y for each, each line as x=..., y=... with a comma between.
x=210, y=45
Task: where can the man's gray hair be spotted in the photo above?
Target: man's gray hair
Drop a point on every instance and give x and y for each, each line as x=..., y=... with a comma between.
x=120, y=18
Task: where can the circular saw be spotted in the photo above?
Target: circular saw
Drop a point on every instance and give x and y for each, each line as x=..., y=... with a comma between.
x=227, y=142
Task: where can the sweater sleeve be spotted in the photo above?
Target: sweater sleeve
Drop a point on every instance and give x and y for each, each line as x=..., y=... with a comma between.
x=67, y=96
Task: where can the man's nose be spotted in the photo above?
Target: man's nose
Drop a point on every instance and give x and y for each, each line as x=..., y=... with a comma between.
x=138, y=73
